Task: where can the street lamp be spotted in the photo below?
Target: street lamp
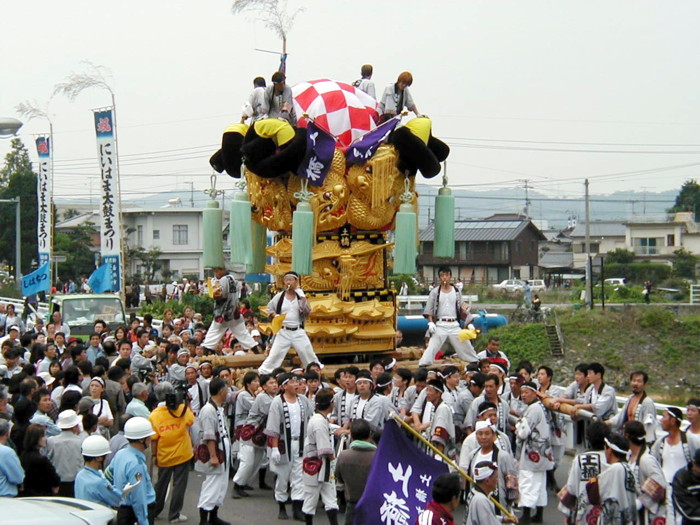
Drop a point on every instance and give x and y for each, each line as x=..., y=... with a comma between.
x=9, y=127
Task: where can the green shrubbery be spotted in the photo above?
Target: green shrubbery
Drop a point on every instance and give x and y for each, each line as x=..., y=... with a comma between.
x=639, y=272
x=202, y=304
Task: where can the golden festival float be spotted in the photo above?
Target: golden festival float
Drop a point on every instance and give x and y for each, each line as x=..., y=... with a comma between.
x=338, y=194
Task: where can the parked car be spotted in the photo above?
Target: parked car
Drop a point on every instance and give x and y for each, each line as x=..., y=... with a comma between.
x=614, y=282
x=55, y=510
x=509, y=286
x=537, y=285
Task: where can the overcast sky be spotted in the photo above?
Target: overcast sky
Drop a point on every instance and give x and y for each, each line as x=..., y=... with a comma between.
x=549, y=91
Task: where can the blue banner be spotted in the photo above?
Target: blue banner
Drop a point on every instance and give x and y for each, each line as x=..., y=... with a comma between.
x=362, y=149
x=103, y=278
x=320, y=146
x=104, y=126
x=43, y=147
x=37, y=281
x=400, y=481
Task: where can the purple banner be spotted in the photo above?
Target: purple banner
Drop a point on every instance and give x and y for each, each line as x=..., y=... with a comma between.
x=400, y=481
x=320, y=146
x=360, y=151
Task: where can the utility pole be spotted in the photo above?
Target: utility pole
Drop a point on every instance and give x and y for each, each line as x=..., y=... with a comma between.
x=589, y=273
x=526, y=183
x=191, y=193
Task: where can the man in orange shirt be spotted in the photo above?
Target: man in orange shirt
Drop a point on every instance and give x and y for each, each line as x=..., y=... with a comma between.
x=172, y=449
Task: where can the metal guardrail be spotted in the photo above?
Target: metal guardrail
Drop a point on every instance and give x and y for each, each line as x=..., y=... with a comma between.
x=695, y=294
x=43, y=308
x=414, y=301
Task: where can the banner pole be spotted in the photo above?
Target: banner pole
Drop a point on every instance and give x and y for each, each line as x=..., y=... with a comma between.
x=447, y=460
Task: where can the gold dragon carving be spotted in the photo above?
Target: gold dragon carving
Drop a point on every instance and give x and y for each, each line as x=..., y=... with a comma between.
x=330, y=201
x=375, y=188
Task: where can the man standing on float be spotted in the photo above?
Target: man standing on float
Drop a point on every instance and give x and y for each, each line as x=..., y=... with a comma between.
x=292, y=303
x=444, y=310
x=226, y=313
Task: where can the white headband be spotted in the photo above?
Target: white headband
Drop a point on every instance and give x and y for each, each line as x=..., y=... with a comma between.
x=484, y=411
x=617, y=449
x=528, y=386
x=363, y=379
x=481, y=425
x=382, y=385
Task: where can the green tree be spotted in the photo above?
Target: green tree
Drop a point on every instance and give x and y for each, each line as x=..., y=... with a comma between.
x=684, y=263
x=150, y=259
x=619, y=256
x=17, y=178
x=70, y=213
x=688, y=199
x=77, y=245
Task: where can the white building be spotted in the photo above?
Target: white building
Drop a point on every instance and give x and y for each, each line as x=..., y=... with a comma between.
x=605, y=236
x=658, y=240
x=176, y=232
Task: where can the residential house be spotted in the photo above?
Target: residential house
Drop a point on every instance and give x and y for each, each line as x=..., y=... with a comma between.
x=605, y=236
x=657, y=241
x=486, y=251
x=176, y=232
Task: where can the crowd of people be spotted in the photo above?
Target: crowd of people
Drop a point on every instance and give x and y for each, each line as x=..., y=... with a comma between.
x=119, y=418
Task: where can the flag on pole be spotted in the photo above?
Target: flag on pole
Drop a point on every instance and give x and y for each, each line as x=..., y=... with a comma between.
x=37, y=281
x=400, y=481
x=44, y=196
x=362, y=149
x=320, y=146
x=101, y=279
x=110, y=205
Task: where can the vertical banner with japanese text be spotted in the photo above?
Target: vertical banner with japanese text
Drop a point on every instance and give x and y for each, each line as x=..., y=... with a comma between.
x=44, y=194
x=110, y=212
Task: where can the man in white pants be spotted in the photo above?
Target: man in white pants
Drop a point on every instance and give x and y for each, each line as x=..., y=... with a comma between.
x=444, y=310
x=214, y=434
x=319, y=452
x=226, y=315
x=534, y=454
x=293, y=303
x=286, y=429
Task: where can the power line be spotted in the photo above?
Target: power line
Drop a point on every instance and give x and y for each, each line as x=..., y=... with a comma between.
x=573, y=143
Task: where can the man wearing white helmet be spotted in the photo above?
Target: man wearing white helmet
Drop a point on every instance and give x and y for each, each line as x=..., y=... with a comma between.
x=90, y=483
x=129, y=466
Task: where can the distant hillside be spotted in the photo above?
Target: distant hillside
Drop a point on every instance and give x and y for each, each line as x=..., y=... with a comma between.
x=469, y=204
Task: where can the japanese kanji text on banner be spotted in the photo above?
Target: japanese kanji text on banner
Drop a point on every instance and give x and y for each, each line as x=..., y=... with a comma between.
x=400, y=481
x=44, y=193
x=110, y=213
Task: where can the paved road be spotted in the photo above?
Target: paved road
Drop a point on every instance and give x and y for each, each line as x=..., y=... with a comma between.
x=261, y=509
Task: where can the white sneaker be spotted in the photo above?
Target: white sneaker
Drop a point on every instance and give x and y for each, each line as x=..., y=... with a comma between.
x=180, y=518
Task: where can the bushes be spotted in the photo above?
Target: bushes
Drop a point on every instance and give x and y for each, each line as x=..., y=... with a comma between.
x=521, y=342
x=202, y=304
x=639, y=272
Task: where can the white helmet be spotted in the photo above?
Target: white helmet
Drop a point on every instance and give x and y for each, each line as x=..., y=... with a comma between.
x=138, y=428
x=95, y=446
